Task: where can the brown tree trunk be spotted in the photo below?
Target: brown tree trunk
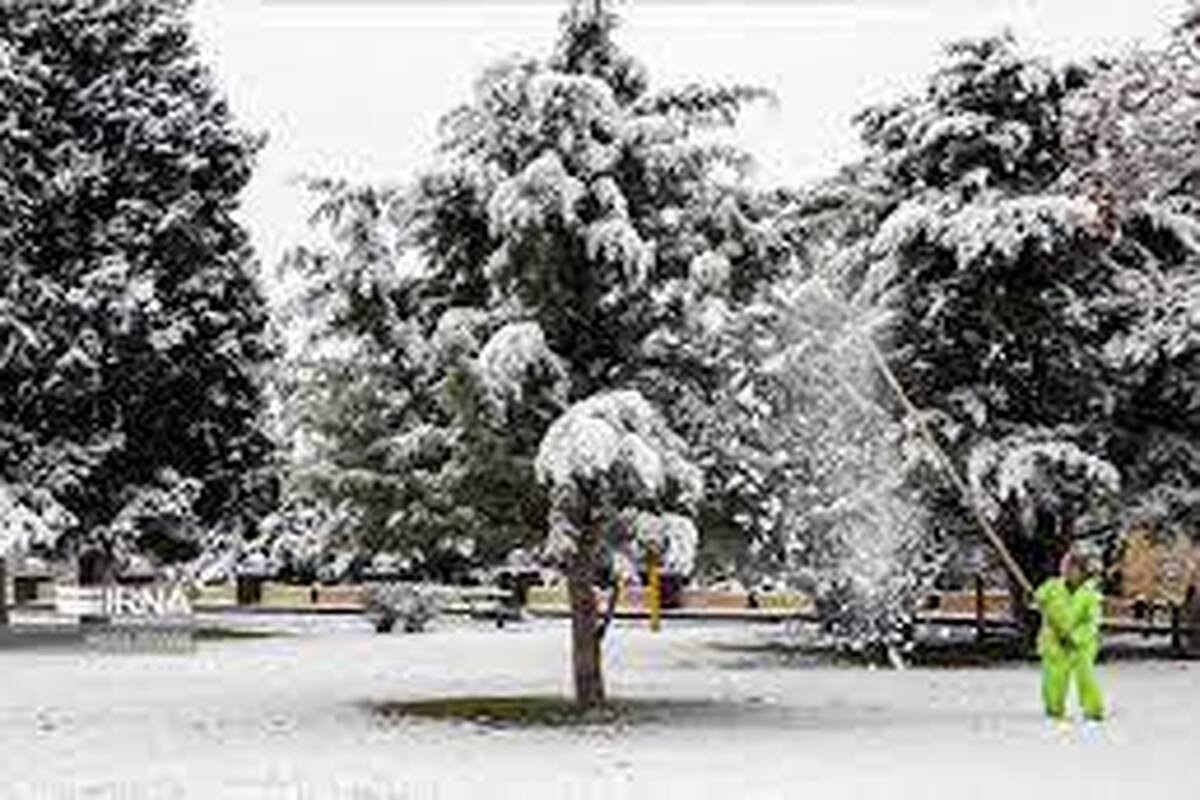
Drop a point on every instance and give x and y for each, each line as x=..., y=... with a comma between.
x=95, y=568
x=1191, y=621
x=585, y=629
x=3, y=592
x=1036, y=552
x=1024, y=615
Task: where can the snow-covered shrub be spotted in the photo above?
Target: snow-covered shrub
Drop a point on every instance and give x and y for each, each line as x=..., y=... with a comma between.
x=160, y=517
x=672, y=538
x=410, y=604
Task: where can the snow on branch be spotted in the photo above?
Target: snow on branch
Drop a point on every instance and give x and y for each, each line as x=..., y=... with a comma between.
x=515, y=356
x=1033, y=467
x=30, y=519
x=617, y=436
x=610, y=452
x=672, y=537
x=541, y=192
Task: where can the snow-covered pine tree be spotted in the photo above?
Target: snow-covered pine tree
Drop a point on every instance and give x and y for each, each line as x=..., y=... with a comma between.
x=568, y=221
x=131, y=326
x=999, y=274
x=551, y=253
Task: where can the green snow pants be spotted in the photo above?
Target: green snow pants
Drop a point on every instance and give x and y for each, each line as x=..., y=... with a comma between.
x=1057, y=671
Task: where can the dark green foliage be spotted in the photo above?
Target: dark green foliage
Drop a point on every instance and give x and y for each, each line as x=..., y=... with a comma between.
x=132, y=329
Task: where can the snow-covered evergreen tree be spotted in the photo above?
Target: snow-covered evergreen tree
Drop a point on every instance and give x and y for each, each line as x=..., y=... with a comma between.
x=413, y=429
x=998, y=272
x=571, y=213
x=131, y=326
x=550, y=254
x=1033, y=230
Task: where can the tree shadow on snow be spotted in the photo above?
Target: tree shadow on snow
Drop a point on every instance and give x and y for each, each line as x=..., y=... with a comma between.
x=754, y=713
x=525, y=711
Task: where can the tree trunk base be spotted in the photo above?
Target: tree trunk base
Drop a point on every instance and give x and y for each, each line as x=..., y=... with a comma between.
x=1025, y=617
x=585, y=634
x=3, y=593
x=1191, y=623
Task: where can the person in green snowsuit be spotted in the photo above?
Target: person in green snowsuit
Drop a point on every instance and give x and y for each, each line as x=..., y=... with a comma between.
x=1069, y=639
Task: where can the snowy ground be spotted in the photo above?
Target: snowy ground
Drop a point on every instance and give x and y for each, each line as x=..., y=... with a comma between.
x=284, y=718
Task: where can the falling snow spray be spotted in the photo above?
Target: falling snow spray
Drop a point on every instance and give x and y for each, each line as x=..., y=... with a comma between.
x=856, y=537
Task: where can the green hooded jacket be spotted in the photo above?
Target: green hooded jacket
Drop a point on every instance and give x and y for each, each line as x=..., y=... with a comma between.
x=1070, y=620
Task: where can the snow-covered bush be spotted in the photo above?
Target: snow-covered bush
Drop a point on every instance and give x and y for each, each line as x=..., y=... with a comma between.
x=1043, y=470
x=672, y=538
x=158, y=518
x=410, y=604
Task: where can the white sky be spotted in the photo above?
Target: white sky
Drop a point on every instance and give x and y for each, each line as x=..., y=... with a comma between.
x=355, y=89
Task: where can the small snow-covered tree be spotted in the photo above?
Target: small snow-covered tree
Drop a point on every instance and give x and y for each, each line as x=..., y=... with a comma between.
x=670, y=539
x=607, y=458
x=132, y=329
x=31, y=520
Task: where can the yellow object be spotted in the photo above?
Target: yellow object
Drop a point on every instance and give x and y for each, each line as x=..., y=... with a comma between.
x=1154, y=568
x=1139, y=565
x=654, y=590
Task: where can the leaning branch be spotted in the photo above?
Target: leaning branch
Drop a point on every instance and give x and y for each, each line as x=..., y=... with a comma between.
x=947, y=466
